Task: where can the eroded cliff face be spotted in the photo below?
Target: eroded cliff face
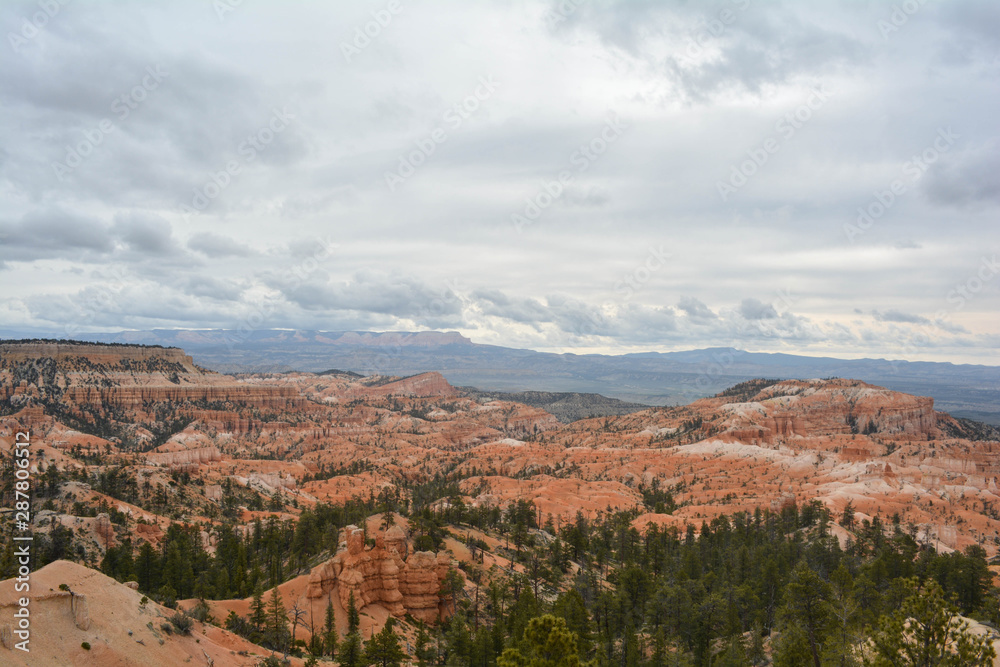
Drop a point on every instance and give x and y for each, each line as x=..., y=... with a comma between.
x=185, y=457
x=384, y=574
x=124, y=378
x=327, y=438
x=797, y=408
x=424, y=384
x=129, y=391
x=90, y=356
x=835, y=441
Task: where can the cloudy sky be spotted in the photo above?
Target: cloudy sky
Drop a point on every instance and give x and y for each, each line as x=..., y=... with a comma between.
x=818, y=178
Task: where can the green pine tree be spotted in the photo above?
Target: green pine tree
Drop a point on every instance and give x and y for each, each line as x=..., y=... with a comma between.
x=424, y=650
x=330, y=638
x=277, y=623
x=353, y=616
x=806, y=609
x=349, y=654
x=547, y=643
x=926, y=631
x=844, y=610
x=258, y=614
x=147, y=570
x=383, y=649
x=571, y=607
x=733, y=653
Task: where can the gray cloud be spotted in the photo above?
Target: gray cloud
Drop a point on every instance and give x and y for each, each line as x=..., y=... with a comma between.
x=105, y=242
x=975, y=24
x=897, y=316
x=367, y=291
x=695, y=309
x=213, y=288
x=526, y=311
x=969, y=177
x=752, y=309
x=216, y=245
x=51, y=232
x=150, y=235
x=723, y=45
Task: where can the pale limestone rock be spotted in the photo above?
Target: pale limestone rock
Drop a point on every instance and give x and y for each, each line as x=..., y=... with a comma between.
x=81, y=615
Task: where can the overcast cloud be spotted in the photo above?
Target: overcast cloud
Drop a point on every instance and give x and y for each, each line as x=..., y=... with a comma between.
x=583, y=175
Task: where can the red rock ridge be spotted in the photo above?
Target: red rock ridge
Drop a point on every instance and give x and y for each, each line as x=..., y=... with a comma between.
x=424, y=385
x=128, y=377
x=95, y=353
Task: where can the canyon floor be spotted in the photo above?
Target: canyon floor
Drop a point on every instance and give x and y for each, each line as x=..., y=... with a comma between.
x=200, y=448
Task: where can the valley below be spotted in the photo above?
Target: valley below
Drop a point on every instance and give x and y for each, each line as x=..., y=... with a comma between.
x=183, y=508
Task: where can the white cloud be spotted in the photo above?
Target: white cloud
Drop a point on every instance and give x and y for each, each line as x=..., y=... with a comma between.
x=769, y=267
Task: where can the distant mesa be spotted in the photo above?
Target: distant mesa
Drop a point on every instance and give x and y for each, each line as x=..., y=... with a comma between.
x=651, y=378
x=77, y=353
x=92, y=378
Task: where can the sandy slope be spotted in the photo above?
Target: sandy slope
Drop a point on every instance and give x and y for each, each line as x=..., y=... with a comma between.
x=121, y=630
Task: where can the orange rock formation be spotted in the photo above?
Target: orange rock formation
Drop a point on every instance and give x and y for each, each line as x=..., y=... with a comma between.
x=383, y=574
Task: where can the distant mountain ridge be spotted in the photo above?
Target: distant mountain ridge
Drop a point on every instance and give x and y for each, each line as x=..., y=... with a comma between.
x=654, y=378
